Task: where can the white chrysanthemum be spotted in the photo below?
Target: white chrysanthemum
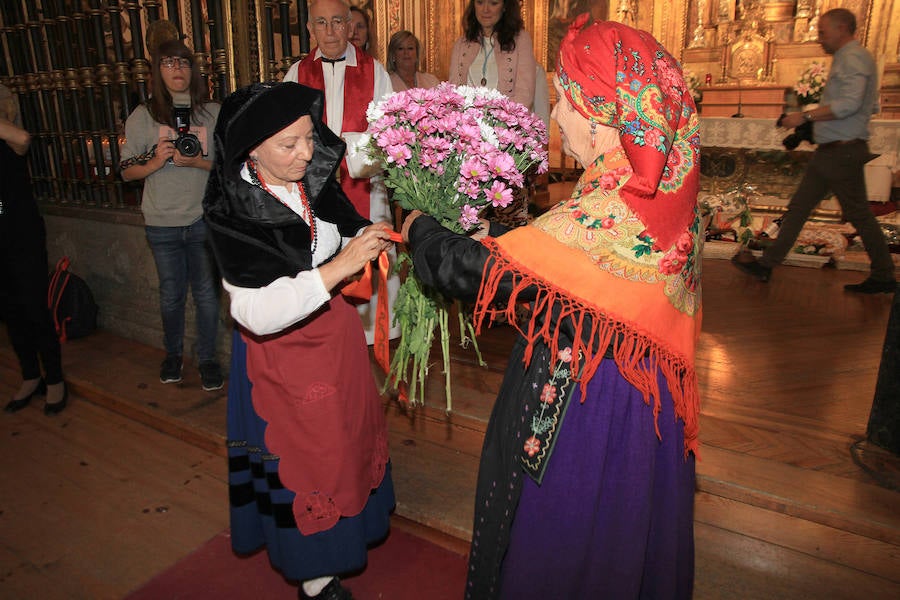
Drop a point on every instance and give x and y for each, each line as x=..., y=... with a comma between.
x=487, y=133
x=360, y=147
x=470, y=93
x=374, y=111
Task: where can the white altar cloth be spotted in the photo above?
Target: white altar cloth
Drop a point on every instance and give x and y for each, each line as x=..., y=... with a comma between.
x=762, y=134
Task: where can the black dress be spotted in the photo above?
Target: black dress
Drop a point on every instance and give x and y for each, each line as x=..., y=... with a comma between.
x=24, y=273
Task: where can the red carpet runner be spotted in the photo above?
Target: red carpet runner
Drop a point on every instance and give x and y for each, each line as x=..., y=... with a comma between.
x=404, y=567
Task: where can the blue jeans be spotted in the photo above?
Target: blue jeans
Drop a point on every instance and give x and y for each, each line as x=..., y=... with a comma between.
x=181, y=257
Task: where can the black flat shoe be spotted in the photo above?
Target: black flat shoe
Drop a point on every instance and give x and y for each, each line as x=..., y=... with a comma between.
x=872, y=286
x=55, y=408
x=17, y=405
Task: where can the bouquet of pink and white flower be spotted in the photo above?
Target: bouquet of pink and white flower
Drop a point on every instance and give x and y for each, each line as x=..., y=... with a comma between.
x=811, y=83
x=449, y=151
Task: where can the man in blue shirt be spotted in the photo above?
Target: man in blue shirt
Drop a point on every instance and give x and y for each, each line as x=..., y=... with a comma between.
x=841, y=130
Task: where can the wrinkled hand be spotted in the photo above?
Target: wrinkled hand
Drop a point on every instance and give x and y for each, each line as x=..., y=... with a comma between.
x=359, y=251
x=365, y=247
x=374, y=240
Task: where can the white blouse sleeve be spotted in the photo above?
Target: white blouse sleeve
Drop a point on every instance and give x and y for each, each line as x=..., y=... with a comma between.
x=280, y=304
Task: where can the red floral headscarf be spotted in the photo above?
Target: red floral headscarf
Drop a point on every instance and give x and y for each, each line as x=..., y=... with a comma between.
x=622, y=77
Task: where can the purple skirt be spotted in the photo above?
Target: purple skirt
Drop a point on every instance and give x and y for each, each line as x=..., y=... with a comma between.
x=613, y=515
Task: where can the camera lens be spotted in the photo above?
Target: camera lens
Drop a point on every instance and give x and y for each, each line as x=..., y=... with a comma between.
x=188, y=144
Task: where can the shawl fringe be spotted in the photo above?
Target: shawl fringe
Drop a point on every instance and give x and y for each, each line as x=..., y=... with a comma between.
x=639, y=357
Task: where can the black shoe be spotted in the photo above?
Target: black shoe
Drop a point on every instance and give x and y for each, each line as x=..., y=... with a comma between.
x=752, y=267
x=333, y=591
x=54, y=408
x=872, y=286
x=17, y=405
x=211, y=376
x=170, y=370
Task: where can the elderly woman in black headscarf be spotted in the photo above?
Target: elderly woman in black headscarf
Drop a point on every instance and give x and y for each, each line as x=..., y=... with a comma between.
x=586, y=481
x=307, y=440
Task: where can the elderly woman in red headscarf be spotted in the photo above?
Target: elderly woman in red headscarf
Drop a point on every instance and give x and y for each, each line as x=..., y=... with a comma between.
x=586, y=482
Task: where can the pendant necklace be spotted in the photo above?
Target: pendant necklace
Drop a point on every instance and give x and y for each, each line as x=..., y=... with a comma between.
x=487, y=55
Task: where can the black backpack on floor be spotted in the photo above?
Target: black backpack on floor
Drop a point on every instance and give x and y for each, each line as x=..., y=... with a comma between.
x=71, y=303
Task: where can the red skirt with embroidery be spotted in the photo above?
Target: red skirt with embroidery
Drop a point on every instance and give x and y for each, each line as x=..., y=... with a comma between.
x=312, y=384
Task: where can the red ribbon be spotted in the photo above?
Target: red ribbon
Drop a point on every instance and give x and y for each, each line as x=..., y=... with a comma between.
x=381, y=345
x=361, y=291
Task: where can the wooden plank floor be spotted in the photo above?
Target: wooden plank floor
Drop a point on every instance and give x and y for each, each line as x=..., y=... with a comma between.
x=94, y=503
x=787, y=370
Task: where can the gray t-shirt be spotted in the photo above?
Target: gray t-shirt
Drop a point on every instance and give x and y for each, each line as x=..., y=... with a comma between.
x=172, y=196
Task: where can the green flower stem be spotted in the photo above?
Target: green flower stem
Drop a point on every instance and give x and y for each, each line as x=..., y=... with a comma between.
x=471, y=329
x=445, y=350
x=467, y=333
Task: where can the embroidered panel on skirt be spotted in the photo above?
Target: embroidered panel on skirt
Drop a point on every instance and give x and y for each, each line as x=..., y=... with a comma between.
x=554, y=400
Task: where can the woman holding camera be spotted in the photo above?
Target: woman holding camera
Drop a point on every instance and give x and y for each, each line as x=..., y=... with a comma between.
x=169, y=146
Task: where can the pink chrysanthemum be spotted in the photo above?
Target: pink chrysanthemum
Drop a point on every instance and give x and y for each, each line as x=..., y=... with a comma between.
x=468, y=217
x=499, y=195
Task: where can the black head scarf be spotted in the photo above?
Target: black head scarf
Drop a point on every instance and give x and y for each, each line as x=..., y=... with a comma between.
x=256, y=239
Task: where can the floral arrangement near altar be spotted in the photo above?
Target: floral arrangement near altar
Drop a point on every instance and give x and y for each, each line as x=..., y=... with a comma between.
x=728, y=215
x=693, y=83
x=811, y=83
x=449, y=151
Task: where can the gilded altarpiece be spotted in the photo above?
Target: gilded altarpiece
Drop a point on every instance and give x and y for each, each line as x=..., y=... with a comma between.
x=778, y=36
x=438, y=26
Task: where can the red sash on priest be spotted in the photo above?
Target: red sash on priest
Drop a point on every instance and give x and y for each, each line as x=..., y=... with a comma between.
x=359, y=86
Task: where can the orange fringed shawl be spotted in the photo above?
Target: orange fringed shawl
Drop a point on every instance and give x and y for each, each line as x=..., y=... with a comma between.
x=641, y=304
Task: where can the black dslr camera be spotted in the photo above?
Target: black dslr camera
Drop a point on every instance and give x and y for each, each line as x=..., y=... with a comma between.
x=801, y=133
x=186, y=143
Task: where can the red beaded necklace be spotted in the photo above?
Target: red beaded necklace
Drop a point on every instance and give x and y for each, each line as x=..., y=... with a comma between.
x=257, y=179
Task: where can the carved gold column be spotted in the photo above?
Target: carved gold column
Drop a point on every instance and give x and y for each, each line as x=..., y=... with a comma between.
x=302, y=19
x=55, y=102
x=198, y=37
x=267, y=33
x=120, y=66
x=66, y=104
x=670, y=24
x=152, y=9
x=287, y=43
x=88, y=127
x=38, y=87
x=140, y=67
x=243, y=36
x=217, y=48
